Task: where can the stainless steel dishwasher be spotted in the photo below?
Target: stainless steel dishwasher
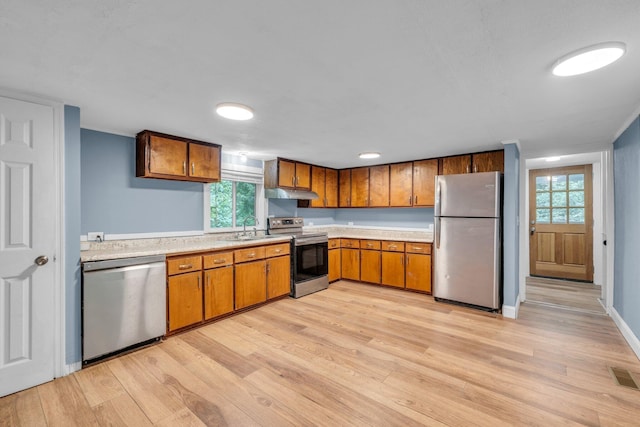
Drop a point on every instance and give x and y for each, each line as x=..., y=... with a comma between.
x=123, y=305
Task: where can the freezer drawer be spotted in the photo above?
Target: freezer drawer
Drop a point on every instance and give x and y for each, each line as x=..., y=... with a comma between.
x=467, y=257
x=122, y=305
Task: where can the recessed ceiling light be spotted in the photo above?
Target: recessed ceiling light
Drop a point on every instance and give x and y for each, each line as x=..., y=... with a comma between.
x=369, y=155
x=589, y=59
x=234, y=111
x=553, y=159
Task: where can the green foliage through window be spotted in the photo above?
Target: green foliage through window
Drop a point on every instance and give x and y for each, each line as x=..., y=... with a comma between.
x=231, y=202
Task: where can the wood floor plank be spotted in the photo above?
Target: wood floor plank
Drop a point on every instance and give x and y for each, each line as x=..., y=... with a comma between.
x=64, y=404
x=122, y=410
x=99, y=384
x=22, y=409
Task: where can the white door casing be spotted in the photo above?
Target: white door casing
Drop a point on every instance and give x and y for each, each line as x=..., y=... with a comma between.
x=28, y=223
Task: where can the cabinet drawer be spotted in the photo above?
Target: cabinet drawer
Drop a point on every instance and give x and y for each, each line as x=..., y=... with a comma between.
x=216, y=260
x=418, y=248
x=370, y=244
x=183, y=265
x=349, y=243
x=277, y=250
x=393, y=246
x=334, y=243
x=251, y=254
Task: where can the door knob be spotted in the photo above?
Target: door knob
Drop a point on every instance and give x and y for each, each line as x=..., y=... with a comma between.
x=533, y=229
x=41, y=260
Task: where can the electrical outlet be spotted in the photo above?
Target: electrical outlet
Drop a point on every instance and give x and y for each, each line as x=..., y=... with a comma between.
x=95, y=236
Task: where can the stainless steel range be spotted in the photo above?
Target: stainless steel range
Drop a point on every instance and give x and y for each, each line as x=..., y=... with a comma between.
x=309, y=255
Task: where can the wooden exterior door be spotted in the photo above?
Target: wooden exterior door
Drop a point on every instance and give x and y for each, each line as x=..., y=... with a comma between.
x=561, y=223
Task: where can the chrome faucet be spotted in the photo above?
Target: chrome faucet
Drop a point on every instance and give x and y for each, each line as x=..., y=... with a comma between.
x=244, y=225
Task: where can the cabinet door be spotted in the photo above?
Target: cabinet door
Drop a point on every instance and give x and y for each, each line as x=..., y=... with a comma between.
x=286, y=173
x=400, y=183
x=379, y=186
x=331, y=188
x=350, y=264
x=419, y=272
x=424, y=182
x=278, y=276
x=303, y=176
x=204, y=162
x=345, y=188
x=185, y=300
x=455, y=164
x=318, y=185
x=334, y=265
x=360, y=187
x=167, y=156
x=251, y=285
x=370, y=266
x=493, y=161
x=393, y=269
x=218, y=292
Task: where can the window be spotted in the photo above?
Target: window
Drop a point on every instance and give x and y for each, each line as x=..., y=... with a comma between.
x=560, y=199
x=239, y=196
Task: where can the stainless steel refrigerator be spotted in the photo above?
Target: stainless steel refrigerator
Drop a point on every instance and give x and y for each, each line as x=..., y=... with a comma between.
x=468, y=240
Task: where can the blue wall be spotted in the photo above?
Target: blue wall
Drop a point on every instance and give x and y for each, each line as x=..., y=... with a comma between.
x=511, y=239
x=116, y=202
x=72, y=232
x=626, y=162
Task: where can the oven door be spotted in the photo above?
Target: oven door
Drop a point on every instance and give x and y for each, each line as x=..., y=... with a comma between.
x=312, y=261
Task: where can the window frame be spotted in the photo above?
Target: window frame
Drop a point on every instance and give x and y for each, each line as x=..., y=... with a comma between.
x=236, y=173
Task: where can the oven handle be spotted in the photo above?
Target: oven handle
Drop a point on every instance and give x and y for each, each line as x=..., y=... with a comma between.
x=311, y=241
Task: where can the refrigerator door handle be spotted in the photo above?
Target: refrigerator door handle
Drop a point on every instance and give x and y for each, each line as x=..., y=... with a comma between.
x=437, y=229
x=436, y=205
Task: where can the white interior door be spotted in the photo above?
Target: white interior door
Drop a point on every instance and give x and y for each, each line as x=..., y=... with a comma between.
x=28, y=218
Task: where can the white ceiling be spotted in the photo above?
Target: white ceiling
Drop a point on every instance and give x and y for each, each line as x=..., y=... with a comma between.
x=329, y=79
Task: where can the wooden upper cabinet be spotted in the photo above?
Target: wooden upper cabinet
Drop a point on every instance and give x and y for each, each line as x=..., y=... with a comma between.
x=287, y=174
x=424, y=182
x=331, y=188
x=491, y=161
x=172, y=157
x=379, y=186
x=360, y=187
x=344, y=185
x=318, y=185
x=400, y=179
x=455, y=164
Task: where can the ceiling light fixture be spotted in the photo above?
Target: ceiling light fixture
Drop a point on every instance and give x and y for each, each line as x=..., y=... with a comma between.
x=234, y=111
x=589, y=59
x=369, y=155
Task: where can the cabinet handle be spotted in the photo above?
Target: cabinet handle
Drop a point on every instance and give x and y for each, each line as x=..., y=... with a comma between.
x=409, y=199
x=468, y=169
x=184, y=167
x=416, y=202
x=268, y=267
x=277, y=250
x=393, y=247
x=293, y=181
x=369, y=245
x=219, y=261
x=208, y=284
x=198, y=282
x=185, y=266
x=402, y=259
x=193, y=168
x=475, y=168
x=417, y=248
x=251, y=255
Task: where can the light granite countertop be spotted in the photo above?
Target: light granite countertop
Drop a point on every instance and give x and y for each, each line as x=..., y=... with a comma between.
x=114, y=249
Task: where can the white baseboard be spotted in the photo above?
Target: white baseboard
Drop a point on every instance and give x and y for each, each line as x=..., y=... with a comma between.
x=72, y=367
x=627, y=333
x=511, y=311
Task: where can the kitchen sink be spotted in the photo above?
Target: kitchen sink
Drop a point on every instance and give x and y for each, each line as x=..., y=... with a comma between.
x=244, y=238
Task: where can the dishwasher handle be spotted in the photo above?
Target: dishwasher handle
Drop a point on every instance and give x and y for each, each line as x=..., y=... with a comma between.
x=121, y=262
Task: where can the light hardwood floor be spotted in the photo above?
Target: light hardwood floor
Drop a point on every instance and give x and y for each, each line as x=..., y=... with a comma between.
x=355, y=354
x=565, y=294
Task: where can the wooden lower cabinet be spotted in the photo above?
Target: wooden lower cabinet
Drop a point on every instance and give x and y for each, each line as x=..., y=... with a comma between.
x=278, y=276
x=350, y=263
x=218, y=292
x=334, y=265
x=418, y=272
x=370, y=266
x=185, y=300
x=251, y=283
x=393, y=269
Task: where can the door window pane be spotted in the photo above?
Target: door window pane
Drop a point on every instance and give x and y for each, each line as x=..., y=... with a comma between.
x=559, y=199
x=543, y=200
x=576, y=181
x=559, y=182
x=543, y=216
x=576, y=198
x=559, y=216
x=576, y=216
x=542, y=183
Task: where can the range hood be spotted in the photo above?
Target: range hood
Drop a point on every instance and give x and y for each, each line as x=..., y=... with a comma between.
x=281, y=193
